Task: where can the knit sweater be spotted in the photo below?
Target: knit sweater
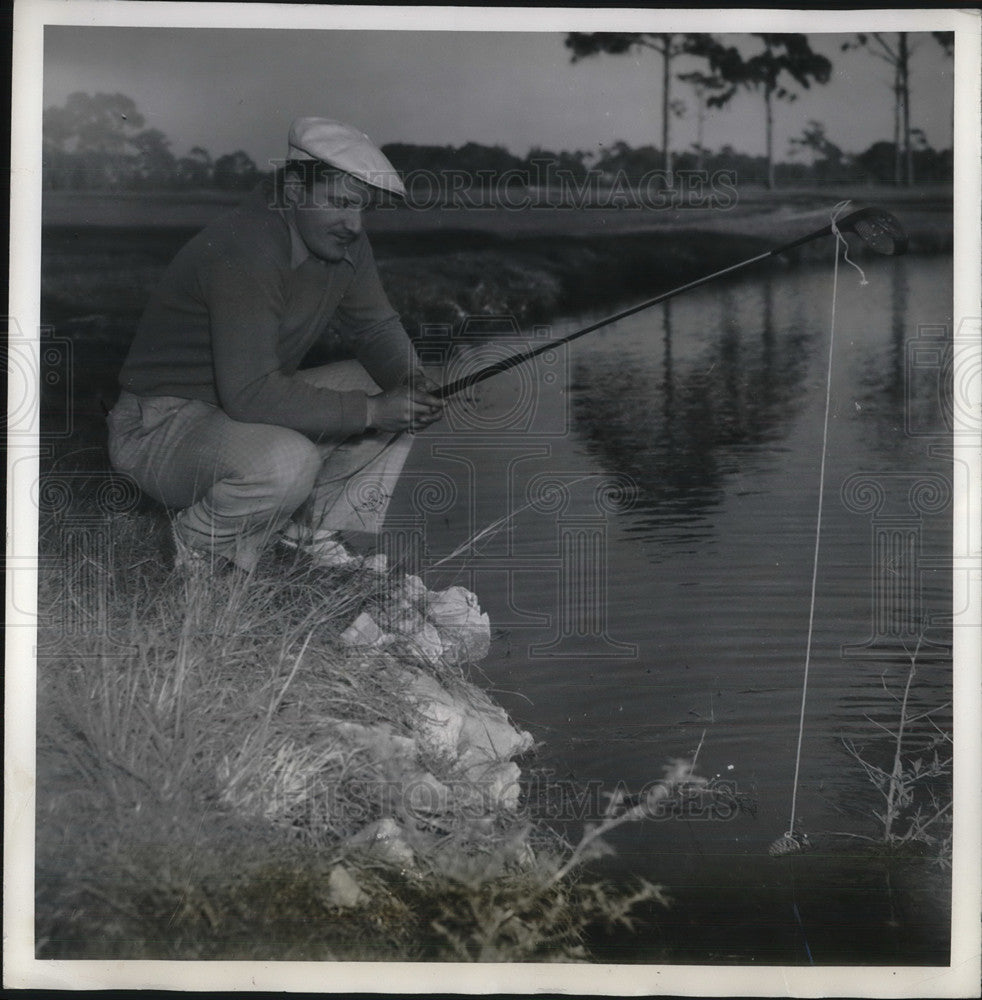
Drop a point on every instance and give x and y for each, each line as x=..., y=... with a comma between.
x=241, y=305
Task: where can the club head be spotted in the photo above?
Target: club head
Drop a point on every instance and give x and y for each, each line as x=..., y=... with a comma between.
x=878, y=229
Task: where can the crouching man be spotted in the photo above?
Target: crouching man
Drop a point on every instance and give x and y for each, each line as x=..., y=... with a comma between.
x=217, y=419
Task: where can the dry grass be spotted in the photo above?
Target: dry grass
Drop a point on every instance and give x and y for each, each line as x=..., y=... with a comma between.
x=914, y=787
x=207, y=747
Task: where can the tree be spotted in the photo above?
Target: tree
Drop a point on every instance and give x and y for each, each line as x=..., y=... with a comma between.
x=195, y=169
x=668, y=46
x=827, y=157
x=103, y=123
x=783, y=55
x=705, y=86
x=235, y=171
x=156, y=165
x=896, y=54
x=91, y=136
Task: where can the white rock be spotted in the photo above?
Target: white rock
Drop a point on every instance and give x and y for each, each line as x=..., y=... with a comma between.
x=378, y=563
x=423, y=796
x=425, y=643
x=364, y=631
x=440, y=718
x=501, y=786
x=464, y=631
x=386, y=840
x=405, y=620
x=439, y=728
x=451, y=606
x=380, y=741
x=489, y=735
x=467, y=644
x=413, y=588
x=343, y=890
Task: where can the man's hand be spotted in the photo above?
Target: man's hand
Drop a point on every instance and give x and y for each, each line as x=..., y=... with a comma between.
x=407, y=406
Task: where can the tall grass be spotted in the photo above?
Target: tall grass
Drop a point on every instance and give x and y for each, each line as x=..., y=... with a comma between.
x=207, y=747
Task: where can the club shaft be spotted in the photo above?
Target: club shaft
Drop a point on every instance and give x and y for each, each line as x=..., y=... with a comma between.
x=466, y=381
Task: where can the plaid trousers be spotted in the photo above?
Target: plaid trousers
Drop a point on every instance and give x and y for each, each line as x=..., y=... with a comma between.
x=236, y=484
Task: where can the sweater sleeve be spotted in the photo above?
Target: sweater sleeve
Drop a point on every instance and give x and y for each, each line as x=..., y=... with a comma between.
x=246, y=302
x=369, y=325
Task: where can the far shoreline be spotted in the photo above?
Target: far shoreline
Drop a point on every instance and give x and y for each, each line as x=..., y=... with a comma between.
x=442, y=265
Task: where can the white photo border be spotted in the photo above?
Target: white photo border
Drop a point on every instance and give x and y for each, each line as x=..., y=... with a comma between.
x=22, y=970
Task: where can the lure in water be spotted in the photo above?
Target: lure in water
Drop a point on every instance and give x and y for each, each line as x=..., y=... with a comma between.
x=789, y=843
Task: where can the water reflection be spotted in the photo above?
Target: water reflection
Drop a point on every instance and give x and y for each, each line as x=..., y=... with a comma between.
x=679, y=423
x=903, y=379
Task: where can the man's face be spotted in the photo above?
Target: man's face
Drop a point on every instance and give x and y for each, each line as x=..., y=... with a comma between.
x=328, y=214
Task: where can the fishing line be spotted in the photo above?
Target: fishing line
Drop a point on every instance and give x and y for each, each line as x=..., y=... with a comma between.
x=790, y=841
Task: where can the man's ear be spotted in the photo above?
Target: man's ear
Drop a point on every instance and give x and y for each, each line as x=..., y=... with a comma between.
x=292, y=190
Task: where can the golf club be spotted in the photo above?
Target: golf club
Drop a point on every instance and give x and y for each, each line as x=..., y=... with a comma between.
x=877, y=228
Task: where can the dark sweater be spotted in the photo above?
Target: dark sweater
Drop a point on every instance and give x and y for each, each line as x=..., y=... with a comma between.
x=241, y=305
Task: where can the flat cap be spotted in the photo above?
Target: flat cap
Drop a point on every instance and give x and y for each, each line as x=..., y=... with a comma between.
x=345, y=148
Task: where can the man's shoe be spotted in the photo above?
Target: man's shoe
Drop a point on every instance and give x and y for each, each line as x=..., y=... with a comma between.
x=324, y=547
x=188, y=561
x=195, y=564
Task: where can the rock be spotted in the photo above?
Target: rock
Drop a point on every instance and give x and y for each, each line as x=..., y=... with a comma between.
x=422, y=795
x=501, y=786
x=489, y=735
x=378, y=563
x=440, y=718
x=404, y=619
x=342, y=890
x=385, y=839
x=380, y=741
x=464, y=631
x=406, y=787
x=465, y=728
x=413, y=588
x=450, y=606
x=364, y=631
x=495, y=782
x=488, y=788
x=425, y=643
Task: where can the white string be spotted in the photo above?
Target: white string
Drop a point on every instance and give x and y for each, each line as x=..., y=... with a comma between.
x=840, y=240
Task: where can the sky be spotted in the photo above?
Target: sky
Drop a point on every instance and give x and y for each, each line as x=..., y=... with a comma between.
x=227, y=89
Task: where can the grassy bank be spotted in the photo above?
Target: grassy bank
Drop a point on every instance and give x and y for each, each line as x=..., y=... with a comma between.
x=221, y=776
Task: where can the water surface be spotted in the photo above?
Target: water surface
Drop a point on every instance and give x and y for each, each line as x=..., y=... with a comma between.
x=661, y=600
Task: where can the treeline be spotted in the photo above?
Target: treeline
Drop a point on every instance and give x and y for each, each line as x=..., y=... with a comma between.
x=98, y=142
x=826, y=162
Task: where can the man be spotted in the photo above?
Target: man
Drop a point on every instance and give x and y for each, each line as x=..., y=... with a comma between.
x=217, y=419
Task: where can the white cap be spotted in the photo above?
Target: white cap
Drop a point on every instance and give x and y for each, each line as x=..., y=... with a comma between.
x=345, y=148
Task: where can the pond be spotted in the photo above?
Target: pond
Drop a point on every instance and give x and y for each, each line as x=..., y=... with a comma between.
x=650, y=591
